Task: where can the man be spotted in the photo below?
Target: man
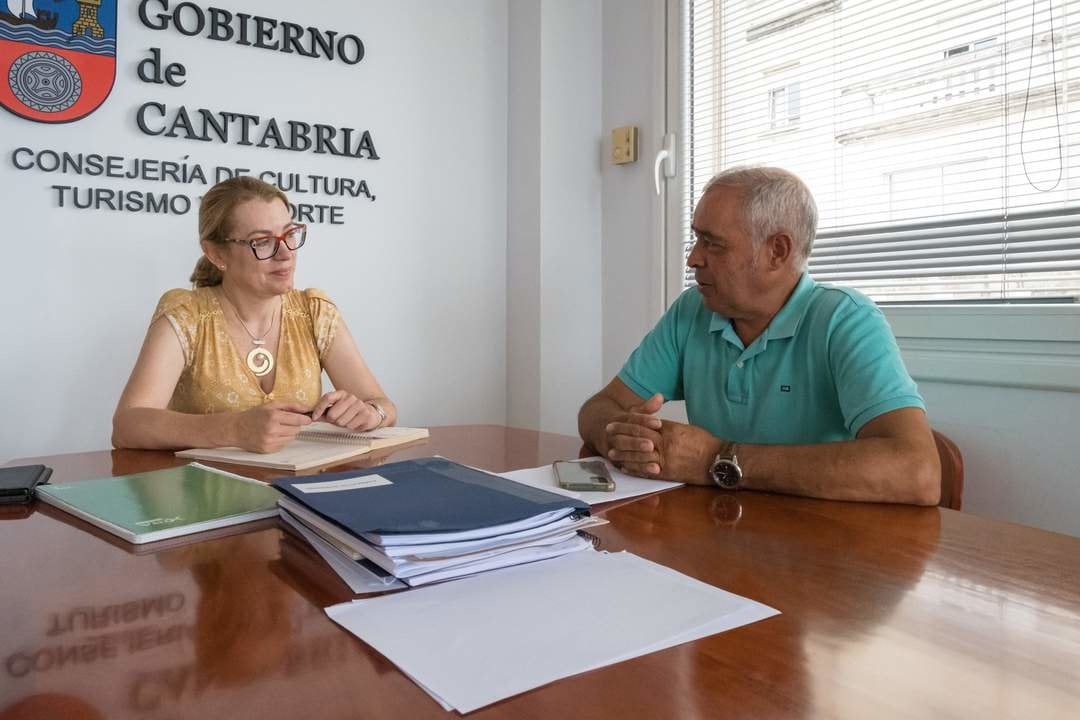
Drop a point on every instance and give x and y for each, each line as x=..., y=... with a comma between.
x=790, y=386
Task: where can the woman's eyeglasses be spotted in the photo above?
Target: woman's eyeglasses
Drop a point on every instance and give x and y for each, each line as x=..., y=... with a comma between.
x=266, y=246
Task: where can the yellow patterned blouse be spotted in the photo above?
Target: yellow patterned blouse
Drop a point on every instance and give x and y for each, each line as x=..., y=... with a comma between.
x=216, y=378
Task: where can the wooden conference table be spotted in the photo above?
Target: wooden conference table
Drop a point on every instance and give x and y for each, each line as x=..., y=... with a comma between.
x=888, y=612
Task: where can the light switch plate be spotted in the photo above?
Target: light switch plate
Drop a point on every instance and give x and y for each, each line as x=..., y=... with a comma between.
x=624, y=145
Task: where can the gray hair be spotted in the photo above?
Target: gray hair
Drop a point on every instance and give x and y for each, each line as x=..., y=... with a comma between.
x=774, y=201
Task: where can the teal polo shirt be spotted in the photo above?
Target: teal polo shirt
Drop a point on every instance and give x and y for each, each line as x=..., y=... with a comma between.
x=826, y=365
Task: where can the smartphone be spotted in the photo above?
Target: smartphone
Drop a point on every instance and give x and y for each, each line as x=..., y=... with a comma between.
x=590, y=475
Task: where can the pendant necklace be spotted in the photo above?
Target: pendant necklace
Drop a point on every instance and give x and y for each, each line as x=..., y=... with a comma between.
x=260, y=360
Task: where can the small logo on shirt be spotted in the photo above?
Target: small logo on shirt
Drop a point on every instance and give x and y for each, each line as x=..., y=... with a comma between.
x=785, y=388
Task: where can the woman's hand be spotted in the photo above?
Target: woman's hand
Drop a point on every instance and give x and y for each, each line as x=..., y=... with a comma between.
x=270, y=427
x=344, y=409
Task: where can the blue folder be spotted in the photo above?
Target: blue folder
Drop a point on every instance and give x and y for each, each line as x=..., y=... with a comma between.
x=428, y=495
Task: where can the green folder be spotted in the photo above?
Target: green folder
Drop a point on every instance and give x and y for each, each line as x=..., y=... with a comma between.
x=163, y=504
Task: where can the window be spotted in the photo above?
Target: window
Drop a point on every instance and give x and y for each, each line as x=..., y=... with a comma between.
x=941, y=138
x=784, y=106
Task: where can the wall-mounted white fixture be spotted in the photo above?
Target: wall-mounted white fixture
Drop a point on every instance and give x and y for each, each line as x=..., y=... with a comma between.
x=665, y=160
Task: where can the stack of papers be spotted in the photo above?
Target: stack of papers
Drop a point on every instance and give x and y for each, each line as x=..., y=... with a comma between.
x=423, y=521
x=361, y=576
x=425, y=558
x=483, y=639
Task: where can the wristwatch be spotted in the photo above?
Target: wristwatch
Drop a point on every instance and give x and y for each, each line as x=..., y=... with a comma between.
x=377, y=408
x=725, y=470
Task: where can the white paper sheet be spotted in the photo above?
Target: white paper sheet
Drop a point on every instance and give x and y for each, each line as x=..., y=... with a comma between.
x=344, y=484
x=626, y=486
x=465, y=642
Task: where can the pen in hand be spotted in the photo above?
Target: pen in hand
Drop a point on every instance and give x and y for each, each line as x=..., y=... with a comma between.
x=311, y=413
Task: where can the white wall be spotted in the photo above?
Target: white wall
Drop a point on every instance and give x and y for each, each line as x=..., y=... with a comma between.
x=1019, y=447
x=633, y=213
x=554, y=212
x=1004, y=383
x=420, y=273
x=523, y=227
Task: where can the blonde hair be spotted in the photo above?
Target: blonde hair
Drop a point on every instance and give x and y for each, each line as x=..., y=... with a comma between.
x=215, y=218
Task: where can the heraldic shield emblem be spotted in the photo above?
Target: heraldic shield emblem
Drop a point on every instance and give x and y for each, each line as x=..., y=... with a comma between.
x=57, y=57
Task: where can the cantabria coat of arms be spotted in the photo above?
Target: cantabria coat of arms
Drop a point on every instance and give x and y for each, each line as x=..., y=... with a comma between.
x=57, y=57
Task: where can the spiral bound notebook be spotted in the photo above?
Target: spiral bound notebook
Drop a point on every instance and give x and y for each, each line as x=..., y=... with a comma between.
x=316, y=445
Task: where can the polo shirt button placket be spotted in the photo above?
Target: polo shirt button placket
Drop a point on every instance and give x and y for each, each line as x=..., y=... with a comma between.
x=738, y=384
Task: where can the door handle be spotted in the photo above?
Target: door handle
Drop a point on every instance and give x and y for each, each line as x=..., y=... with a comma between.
x=665, y=161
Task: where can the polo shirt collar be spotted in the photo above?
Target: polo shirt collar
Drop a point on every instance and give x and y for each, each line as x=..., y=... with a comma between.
x=718, y=322
x=784, y=324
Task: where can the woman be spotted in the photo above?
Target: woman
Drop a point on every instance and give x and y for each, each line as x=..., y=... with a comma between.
x=238, y=361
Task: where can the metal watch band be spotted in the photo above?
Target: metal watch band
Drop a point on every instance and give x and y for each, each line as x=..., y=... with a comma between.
x=377, y=408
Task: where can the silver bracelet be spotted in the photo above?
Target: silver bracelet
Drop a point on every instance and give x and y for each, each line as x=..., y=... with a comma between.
x=377, y=408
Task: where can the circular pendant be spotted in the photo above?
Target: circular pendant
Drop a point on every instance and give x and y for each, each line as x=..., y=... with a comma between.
x=260, y=361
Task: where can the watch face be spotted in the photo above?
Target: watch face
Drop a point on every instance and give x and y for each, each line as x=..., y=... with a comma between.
x=726, y=474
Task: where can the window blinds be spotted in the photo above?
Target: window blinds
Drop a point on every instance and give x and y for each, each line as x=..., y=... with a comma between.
x=941, y=138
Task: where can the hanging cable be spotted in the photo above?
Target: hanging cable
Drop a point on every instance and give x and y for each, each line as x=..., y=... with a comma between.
x=1027, y=100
